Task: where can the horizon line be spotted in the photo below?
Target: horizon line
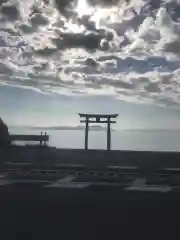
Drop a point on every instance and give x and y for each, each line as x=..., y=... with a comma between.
x=100, y=126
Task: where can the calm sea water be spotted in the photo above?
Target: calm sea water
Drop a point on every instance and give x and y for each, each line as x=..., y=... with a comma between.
x=127, y=140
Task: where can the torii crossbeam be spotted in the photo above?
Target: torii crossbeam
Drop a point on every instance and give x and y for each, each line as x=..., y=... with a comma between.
x=98, y=118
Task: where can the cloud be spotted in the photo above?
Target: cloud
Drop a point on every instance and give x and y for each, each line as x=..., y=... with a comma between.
x=10, y=10
x=89, y=41
x=38, y=19
x=173, y=47
x=125, y=49
x=47, y=51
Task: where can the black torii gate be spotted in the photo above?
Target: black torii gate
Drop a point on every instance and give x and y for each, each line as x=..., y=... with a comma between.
x=98, y=118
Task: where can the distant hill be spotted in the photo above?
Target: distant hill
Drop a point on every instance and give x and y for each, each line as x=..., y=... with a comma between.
x=95, y=128
x=71, y=128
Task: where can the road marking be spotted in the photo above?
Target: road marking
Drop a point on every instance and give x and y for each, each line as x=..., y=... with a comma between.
x=4, y=182
x=18, y=163
x=139, y=184
x=66, y=179
x=67, y=183
x=163, y=189
x=172, y=169
x=2, y=175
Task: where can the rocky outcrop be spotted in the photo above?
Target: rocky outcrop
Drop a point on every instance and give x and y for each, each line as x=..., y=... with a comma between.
x=4, y=134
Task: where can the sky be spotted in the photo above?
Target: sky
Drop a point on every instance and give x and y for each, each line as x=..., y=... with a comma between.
x=26, y=107
x=57, y=61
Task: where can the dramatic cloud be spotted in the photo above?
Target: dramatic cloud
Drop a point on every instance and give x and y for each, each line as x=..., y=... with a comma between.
x=126, y=49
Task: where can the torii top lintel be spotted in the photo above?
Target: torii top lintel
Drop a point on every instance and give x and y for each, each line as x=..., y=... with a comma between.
x=99, y=118
x=98, y=115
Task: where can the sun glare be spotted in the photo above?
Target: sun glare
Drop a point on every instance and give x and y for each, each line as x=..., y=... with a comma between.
x=83, y=8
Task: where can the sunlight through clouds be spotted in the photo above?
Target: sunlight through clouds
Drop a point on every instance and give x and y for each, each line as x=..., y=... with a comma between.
x=128, y=50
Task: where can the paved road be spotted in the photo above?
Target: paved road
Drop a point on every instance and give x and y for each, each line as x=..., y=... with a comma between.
x=73, y=199
x=128, y=178
x=30, y=211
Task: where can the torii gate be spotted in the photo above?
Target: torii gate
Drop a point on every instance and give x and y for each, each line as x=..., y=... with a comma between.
x=98, y=118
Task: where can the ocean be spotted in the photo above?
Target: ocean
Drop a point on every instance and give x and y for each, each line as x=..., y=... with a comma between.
x=155, y=140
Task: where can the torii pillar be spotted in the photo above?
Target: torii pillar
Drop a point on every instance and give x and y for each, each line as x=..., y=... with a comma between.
x=98, y=118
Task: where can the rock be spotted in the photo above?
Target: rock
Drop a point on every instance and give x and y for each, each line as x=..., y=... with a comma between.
x=4, y=134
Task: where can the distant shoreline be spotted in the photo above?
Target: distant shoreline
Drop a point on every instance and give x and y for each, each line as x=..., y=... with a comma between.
x=93, y=128
x=61, y=128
